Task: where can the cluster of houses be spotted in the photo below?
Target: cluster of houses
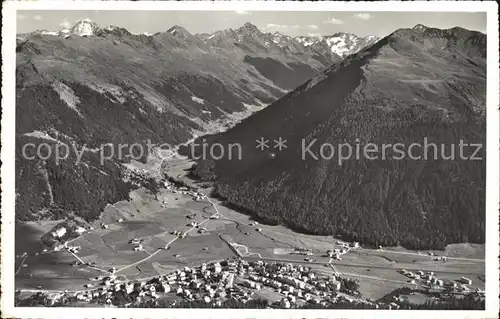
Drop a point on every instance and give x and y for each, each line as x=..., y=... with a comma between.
x=63, y=231
x=336, y=252
x=179, y=233
x=211, y=283
x=295, y=282
x=59, y=232
x=216, y=282
x=441, y=258
x=67, y=246
x=73, y=249
x=436, y=285
x=423, y=277
x=197, y=196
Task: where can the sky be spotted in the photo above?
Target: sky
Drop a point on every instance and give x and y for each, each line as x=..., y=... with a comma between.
x=286, y=22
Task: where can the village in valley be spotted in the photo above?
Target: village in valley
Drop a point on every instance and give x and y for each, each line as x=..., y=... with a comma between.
x=202, y=254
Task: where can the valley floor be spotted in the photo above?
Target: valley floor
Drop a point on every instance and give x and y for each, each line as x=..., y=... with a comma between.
x=233, y=234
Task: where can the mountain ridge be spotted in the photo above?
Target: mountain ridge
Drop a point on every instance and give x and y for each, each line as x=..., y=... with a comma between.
x=87, y=27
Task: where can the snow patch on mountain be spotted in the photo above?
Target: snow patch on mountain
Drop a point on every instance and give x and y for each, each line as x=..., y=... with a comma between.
x=115, y=91
x=308, y=41
x=64, y=33
x=41, y=135
x=67, y=95
x=339, y=45
x=45, y=32
x=197, y=99
x=179, y=31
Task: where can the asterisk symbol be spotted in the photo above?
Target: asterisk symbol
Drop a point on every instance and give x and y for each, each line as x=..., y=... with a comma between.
x=280, y=143
x=262, y=143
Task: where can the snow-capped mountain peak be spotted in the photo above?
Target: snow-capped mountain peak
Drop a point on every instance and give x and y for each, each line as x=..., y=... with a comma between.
x=342, y=44
x=179, y=31
x=85, y=28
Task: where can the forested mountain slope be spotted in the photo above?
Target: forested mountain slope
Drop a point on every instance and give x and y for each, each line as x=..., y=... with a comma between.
x=413, y=85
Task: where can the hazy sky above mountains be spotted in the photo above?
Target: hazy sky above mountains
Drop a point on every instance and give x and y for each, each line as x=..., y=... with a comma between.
x=291, y=23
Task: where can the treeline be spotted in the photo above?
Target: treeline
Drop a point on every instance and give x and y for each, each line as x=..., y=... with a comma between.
x=442, y=301
x=467, y=302
x=348, y=285
x=36, y=300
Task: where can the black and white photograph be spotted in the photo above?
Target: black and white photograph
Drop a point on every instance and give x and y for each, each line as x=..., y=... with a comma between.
x=250, y=159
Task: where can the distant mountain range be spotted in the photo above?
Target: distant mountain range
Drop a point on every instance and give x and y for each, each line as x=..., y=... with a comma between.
x=414, y=84
x=251, y=67
x=90, y=86
x=342, y=44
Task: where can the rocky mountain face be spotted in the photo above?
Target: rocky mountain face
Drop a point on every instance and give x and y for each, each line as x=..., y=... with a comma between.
x=415, y=86
x=88, y=86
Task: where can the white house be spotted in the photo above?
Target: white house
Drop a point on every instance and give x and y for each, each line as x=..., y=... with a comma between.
x=217, y=268
x=284, y=303
x=129, y=288
x=59, y=232
x=166, y=287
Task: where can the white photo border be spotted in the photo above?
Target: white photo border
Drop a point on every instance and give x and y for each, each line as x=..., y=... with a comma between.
x=9, y=11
